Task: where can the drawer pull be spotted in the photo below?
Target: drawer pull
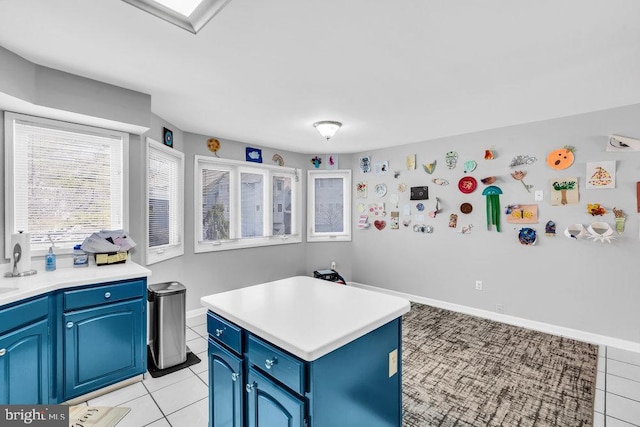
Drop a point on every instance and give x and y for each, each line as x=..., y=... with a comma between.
x=107, y=295
x=270, y=362
x=250, y=387
x=3, y=352
x=219, y=332
x=235, y=376
x=69, y=325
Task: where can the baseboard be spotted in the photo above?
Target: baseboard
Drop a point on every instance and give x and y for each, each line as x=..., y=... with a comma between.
x=196, y=312
x=512, y=320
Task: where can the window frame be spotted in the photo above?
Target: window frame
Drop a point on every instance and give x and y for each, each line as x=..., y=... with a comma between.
x=10, y=182
x=165, y=252
x=319, y=236
x=235, y=169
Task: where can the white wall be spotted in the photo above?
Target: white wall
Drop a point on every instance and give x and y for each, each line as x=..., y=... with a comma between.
x=582, y=285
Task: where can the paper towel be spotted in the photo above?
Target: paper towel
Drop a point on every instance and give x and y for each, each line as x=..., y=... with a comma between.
x=24, y=240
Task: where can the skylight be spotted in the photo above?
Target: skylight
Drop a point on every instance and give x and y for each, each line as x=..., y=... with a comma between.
x=183, y=7
x=191, y=15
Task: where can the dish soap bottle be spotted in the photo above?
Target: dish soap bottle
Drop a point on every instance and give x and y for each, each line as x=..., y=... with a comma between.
x=50, y=258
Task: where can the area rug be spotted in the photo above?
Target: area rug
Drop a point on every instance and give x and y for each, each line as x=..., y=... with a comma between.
x=96, y=416
x=460, y=370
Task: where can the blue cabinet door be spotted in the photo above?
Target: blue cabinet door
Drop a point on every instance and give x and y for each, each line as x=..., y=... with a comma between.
x=226, y=385
x=103, y=345
x=270, y=405
x=24, y=361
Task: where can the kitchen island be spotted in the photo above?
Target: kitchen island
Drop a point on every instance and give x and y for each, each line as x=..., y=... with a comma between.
x=305, y=352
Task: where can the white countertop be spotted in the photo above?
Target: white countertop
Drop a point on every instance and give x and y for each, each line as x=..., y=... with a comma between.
x=18, y=288
x=307, y=317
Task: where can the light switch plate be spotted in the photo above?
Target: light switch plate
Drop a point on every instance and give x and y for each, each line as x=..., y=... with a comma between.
x=538, y=195
x=393, y=363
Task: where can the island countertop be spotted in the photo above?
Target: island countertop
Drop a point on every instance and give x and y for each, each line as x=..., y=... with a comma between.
x=305, y=316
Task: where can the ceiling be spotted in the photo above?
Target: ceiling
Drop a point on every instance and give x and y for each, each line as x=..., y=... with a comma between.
x=393, y=72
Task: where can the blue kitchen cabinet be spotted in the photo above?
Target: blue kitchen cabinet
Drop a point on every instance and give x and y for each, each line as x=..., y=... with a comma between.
x=271, y=405
x=358, y=384
x=103, y=335
x=24, y=353
x=226, y=379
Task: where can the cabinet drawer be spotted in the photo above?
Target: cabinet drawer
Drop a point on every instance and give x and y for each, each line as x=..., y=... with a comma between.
x=103, y=294
x=225, y=332
x=23, y=313
x=282, y=366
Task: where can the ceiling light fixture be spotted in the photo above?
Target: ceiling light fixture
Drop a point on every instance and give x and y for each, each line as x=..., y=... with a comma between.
x=190, y=15
x=327, y=128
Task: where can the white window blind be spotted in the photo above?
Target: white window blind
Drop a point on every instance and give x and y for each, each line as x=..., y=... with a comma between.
x=65, y=181
x=329, y=205
x=165, y=188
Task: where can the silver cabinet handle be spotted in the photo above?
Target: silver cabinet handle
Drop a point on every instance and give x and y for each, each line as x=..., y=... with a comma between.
x=235, y=376
x=270, y=362
x=107, y=295
x=69, y=325
x=219, y=332
x=250, y=387
x=3, y=352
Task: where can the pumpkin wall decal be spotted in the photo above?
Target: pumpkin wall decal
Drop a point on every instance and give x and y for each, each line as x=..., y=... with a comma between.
x=561, y=158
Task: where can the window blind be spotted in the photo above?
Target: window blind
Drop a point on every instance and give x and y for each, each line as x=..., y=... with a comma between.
x=67, y=183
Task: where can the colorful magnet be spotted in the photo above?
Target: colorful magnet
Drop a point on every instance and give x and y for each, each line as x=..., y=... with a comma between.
x=467, y=184
x=493, y=206
x=440, y=181
x=365, y=164
x=620, y=219
x=518, y=176
x=550, y=229
x=451, y=159
x=430, y=167
x=561, y=158
x=470, y=166
x=453, y=220
x=466, y=208
x=527, y=236
x=489, y=155
x=488, y=180
x=380, y=224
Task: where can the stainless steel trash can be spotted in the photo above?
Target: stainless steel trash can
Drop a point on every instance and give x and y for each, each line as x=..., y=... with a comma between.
x=167, y=323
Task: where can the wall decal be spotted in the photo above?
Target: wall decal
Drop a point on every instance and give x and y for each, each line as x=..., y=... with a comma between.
x=575, y=231
x=467, y=184
x=620, y=220
x=429, y=167
x=361, y=190
x=470, y=166
x=365, y=164
x=550, y=229
x=411, y=162
x=214, y=146
x=363, y=222
x=489, y=155
x=453, y=220
x=381, y=168
x=380, y=224
x=380, y=190
x=561, y=158
x=518, y=176
x=522, y=214
x=253, y=155
x=376, y=209
x=278, y=159
x=395, y=221
x=488, y=180
x=527, y=236
x=493, y=206
x=601, y=175
x=564, y=191
x=522, y=159
x=316, y=161
x=622, y=143
x=451, y=159
x=332, y=162
x=600, y=231
x=595, y=209
x=440, y=181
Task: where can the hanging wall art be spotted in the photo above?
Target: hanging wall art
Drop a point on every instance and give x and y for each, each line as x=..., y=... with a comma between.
x=361, y=190
x=492, y=193
x=365, y=164
x=601, y=175
x=381, y=168
x=332, y=162
x=564, y=191
x=622, y=143
x=522, y=214
x=620, y=220
x=561, y=158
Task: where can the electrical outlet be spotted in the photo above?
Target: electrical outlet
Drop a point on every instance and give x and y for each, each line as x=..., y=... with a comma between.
x=393, y=363
x=333, y=265
x=478, y=285
x=499, y=308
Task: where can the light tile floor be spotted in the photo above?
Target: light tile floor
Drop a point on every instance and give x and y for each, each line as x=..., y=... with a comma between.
x=181, y=398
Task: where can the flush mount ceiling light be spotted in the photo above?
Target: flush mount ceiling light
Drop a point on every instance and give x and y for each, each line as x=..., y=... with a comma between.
x=190, y=15
x=327, y=128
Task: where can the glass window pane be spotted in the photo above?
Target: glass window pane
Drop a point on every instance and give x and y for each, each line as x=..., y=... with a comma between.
x=251, y=200
x=215, y=205
x=329, y=213
x=282, y=205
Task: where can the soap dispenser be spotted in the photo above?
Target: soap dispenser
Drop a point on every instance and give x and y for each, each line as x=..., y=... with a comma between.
x=50, y=258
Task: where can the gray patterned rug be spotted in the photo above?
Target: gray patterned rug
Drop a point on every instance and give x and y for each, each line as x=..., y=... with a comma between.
x=460, y=370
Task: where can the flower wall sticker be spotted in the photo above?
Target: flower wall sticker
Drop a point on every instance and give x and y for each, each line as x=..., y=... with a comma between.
x=518, y=176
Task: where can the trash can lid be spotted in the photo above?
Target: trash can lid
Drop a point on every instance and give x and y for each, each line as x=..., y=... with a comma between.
x=167, y=288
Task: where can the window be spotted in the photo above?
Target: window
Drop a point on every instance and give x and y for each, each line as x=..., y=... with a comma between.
x=329, y=206
x=63, y=180
x=240, y=205
x=165, y=201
